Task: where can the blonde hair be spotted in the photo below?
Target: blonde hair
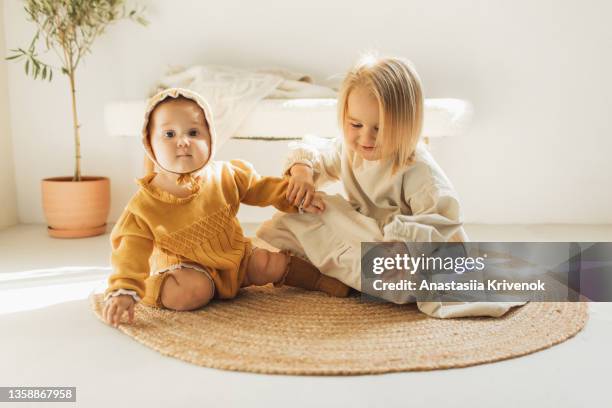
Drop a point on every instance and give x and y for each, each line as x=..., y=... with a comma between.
x=397, y=86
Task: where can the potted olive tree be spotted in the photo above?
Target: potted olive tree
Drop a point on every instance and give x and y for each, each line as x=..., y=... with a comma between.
x=77, y=205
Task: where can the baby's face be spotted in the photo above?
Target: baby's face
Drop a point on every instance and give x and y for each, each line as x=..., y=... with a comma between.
x=179, y=135
x=361, y=123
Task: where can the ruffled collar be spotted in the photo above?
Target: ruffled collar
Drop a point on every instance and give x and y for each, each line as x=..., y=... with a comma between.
x=166, y=197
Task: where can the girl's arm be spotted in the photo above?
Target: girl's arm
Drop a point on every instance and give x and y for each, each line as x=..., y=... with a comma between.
x=436, y=212
x=320, y=154
x=132, y=245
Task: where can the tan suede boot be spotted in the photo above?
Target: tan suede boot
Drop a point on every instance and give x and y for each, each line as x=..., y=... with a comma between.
x=303, y=274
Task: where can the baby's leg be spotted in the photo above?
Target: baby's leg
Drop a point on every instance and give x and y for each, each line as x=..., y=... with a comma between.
x=266, y=267
x=186, y=289
x=281, y=268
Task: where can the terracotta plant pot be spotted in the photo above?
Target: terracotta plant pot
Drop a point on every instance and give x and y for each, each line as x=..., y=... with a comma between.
x=76, y=209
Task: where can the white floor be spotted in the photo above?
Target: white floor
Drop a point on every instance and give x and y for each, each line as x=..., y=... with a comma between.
x=48, y=336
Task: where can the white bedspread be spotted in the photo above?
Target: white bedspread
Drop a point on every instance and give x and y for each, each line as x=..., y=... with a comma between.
x=233, y=93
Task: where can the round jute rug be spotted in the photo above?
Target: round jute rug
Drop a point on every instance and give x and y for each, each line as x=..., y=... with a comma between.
x=290, y=331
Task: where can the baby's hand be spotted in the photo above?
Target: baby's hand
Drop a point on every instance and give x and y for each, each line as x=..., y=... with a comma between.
x=115, y=307
x=301, y=186
x=317, y=206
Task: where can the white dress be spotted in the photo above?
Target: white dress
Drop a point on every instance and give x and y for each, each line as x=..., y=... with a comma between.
x=416, y=204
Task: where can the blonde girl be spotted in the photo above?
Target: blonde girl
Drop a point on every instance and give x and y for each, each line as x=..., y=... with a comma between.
x=395, y=189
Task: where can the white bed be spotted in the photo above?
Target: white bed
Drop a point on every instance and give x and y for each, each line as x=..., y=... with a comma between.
x=263, y=136
x=283, y=119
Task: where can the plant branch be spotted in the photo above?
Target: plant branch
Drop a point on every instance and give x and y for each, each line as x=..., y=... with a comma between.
x=69, y=28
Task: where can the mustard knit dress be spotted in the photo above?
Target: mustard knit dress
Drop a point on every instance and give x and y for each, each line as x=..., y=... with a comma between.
x=157, y=229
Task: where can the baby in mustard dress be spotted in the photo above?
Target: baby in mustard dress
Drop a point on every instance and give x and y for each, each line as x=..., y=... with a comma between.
x=178, y=243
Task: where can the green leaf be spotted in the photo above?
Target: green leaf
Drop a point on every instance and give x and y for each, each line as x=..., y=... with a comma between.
x=36, y=68
x=33, y=43
x=12, y=57
x=27, y=67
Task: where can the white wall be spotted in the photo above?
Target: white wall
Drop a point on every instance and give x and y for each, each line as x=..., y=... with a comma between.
x=8, y=196
x=538, y=73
